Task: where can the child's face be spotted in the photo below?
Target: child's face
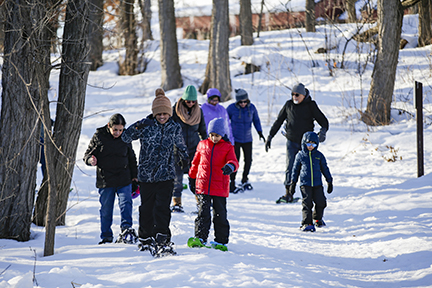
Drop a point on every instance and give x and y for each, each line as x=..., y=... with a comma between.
x=311, y=145
x=215, y=138
x=116, y=130
x=162, y=118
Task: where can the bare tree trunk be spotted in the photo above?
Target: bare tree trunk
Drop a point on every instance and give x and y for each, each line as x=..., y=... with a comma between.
x=350, y=7
x=70, y=108
x=130, y=63
x=245, y=17
x=383, y=76
x=146, y=19
x=170, y=66
x=2, y=22
x=25, y=75
x=95, y=33
x=425, y=33
x=310, y=16
x=217, y=73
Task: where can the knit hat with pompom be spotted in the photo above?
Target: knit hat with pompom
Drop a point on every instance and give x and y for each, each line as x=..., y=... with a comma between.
x=161, y=104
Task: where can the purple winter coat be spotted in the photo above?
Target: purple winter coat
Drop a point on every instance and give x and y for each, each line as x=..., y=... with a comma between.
x=210, y=112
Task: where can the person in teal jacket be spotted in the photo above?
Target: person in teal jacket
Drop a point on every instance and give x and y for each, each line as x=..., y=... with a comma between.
x=309, y=164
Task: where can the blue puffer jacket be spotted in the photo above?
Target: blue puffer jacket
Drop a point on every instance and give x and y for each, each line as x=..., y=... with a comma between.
x=241, y=121
x=156, y=159
x=310, y=164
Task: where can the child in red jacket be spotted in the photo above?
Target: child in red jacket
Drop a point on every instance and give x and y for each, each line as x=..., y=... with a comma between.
x=214, y=161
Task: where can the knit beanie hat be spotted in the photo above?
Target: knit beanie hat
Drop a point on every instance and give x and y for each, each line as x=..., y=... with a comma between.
x=190, y=93
x=241, y=95
x=217, y=125
x=299, y=88
x=161, y=104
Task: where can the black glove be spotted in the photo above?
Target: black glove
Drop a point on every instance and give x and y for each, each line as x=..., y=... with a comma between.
x=291, y=189
x=134, y=186
x=268, y=143
x=228, y=169
x=192, y=184
x=261, y=136
x=322, y=135
x=144, y=123
x=329, y=188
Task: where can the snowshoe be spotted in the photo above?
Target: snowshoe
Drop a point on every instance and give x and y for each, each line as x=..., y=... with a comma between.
x=177, y=209
x=247, y=186
x=288, y=198
x=162, y=247
x=320, y=223
x=185, y=186
x=218, y=246
x=146, y=244
x=238, y=190
x=128, y=236
x=308, y=228
x=194, y=242
x=106, y=240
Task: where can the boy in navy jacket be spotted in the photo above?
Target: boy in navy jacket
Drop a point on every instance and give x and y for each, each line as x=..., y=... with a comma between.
x=309, y=163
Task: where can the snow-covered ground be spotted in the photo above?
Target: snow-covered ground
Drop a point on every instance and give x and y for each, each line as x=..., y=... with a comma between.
x=379, y=217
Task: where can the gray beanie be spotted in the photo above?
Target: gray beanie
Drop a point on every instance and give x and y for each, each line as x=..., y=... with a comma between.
x=241, y=95
x=217, y=125
x=299, y=88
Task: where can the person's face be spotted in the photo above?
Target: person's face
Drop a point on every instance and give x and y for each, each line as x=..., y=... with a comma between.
x=214, y=100
x=190, y=103
x=162, y=118
x=297, y=98
x=242, y=104
x=116, y=130
x=311, y=145
x=215, y=138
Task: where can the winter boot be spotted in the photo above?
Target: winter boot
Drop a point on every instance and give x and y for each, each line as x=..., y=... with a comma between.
x=106, y=240
x=308, y=228
x=320, y=223
x=128, y=236
x=232, y=187
x=246, y=185
x=146, y=244
x=163, y=247
x=285, y=199
x=177, y=207
x=218, y=246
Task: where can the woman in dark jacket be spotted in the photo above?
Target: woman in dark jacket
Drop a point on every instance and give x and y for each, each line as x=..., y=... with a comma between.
x=189, y=115
x=116, y=168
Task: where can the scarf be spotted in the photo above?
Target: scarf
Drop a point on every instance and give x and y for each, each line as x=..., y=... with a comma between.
x=192, y=118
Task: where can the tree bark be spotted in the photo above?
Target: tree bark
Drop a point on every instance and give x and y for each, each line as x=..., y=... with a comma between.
x=425, y=33
x=383, y=76
x=25, y=76
x=170, y=66
x=350, y=8
x=70, y=108
x=95, y=33
x=130, y=63
x=146, y=14
x=310, y=16
x=245, y=17
x=217, y=73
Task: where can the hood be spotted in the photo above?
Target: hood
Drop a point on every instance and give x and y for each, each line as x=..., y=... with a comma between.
x=308, y=137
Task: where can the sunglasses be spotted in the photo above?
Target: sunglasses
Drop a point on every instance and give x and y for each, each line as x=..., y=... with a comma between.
x=214, y=98
x=295, y=94
x=190, y=101
x=242, y=102
x=311, y=144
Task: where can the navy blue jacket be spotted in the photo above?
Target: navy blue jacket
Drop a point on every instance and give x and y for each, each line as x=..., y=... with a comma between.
x=241, y=121
x=156, y=159
x=310, y=164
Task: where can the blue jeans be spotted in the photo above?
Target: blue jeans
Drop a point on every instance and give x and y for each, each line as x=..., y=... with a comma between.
x=292, y=149
x=106, y=199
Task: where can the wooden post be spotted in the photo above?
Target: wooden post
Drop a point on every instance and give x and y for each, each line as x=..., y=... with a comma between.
x=419, y=118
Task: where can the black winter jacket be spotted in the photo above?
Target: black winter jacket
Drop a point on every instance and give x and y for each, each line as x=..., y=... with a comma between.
x=116, y=160
x=299, y=119
x=192, y=134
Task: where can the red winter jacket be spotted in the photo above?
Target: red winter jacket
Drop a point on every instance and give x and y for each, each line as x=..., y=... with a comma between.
x=207, y=167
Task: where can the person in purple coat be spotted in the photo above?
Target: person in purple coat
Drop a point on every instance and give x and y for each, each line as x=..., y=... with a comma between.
x=242, y=114
x=212, y=109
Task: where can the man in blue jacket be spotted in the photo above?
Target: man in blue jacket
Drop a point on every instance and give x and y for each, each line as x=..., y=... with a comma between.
x=242, y=114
